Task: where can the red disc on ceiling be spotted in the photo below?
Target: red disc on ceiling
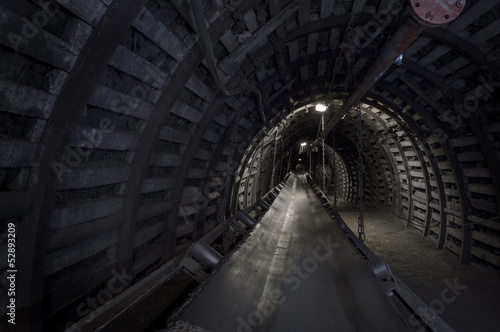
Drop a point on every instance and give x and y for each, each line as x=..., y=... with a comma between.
x=436, y=12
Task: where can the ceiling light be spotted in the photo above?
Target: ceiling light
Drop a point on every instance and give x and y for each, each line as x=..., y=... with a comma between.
x=320, y=108
x=303, y=144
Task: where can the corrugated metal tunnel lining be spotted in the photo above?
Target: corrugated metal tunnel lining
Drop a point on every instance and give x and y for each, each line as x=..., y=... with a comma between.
x=117, y=150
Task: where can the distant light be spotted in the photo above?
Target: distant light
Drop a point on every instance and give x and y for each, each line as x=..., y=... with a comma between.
x=320, y=108
x=300, y=159
x=303, y=144
x=399, y=60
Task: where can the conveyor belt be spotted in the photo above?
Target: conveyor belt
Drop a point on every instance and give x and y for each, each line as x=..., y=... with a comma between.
x=296, y=272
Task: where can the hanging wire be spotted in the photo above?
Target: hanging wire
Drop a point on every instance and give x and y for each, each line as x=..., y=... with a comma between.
x=274, y=160
x=222, y=200
x=310, y=162
x=361, y=170
x=289, y=159
x=323, y=148
x=341, y=52
x=334, y=171
x=281, y=158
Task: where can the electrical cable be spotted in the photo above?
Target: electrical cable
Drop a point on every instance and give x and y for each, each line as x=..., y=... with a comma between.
x=342, y=48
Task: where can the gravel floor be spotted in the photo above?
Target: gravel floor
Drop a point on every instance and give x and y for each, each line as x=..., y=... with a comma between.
x=428, y=272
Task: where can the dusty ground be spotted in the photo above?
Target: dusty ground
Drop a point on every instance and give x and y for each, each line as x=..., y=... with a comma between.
x=426, y=270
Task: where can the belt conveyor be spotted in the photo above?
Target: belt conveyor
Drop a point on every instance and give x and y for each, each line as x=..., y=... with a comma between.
x=296, y=272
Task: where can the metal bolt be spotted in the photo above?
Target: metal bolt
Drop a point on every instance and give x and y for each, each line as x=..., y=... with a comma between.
x=460, y=3
x=429, y=15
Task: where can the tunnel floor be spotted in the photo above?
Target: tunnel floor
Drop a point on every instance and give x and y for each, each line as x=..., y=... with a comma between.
x=425, y=270
x=296, y=272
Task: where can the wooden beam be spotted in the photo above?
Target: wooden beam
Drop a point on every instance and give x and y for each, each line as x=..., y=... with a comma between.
x=141, y=160
x=233, y=61
x=71, y=235
x=151, y=133
x=471, y=15
x=304, y=12
x=326, y=8
x=461, y=45
x=171, y=223
x=274, y=9
x=66, y=114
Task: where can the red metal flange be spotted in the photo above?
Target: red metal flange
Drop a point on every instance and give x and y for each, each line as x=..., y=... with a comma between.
x=436, y=12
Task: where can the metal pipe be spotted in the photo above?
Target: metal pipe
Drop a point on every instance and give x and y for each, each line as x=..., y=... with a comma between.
x=424, y=13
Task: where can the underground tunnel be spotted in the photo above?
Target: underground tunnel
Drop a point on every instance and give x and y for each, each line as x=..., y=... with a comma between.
x=151, y=148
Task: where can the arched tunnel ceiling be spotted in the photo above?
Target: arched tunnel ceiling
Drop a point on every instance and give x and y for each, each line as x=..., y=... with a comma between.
x=118, y=150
